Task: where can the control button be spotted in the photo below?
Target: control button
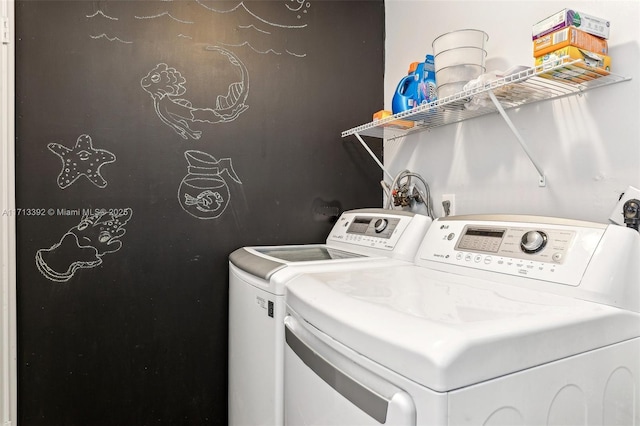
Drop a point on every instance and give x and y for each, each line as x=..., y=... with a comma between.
x=451, y=236
x=477, y=259
x=487, y=260
x=557, y=257
x=533, y=241
x=380, y=225
x=468, y=257
x=459, y=256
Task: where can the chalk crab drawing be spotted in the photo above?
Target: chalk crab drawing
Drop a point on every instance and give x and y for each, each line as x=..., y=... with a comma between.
x=81, y=160
x=84, y=245
x=166, y=84
x=204, y=193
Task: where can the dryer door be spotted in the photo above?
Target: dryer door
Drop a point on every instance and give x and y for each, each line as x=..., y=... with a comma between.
x=322, y=386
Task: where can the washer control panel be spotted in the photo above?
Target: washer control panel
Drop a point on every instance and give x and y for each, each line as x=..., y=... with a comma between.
x=380, y=230
x=551, y=249
x=369, y=230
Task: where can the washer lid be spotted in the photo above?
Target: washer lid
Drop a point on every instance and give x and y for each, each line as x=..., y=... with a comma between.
x=448, y=331
x=264, y=261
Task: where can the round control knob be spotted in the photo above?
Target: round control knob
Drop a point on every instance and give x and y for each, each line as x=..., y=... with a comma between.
x=533, y=241
x=380, y=225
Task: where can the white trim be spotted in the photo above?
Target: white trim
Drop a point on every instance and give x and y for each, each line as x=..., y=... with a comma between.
x=8, y=349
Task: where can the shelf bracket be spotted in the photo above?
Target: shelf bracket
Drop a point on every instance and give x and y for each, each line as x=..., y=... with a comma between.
x=542, y=181
x=357, y=135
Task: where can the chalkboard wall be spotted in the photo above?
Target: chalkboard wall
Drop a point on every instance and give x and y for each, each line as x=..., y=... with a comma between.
x=154, y=138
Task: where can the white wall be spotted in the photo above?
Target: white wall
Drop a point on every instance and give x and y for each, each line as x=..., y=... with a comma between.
x=588, y=145
x=8, y=372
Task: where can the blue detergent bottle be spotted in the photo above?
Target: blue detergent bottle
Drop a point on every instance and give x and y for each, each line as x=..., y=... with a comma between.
x=404, y=97
x=426, y=87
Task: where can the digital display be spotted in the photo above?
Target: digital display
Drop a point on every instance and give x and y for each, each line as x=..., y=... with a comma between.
x=362, y=220
x=481, y=239
x=359, y=225
x=485, y=233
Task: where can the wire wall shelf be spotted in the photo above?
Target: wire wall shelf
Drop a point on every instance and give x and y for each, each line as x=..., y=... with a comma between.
x=557, y=79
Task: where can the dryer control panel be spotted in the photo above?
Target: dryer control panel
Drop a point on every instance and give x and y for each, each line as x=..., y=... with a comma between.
x=549, y=249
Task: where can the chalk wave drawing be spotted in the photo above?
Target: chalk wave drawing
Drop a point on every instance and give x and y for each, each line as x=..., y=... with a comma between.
x=84, y=245
x=246, y=43
x=103, y=35
x=242, y=6
x=160, y=15
x=263, y=29
x=81, y=160
x=253, y=27
x=165, y=84
x=250, y=33
x=301, y=4
x=100, y=13
x=297, y=55
x=204, y=193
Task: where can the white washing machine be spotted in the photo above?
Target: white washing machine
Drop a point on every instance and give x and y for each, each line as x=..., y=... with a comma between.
x=371, y=238
x=502, y=320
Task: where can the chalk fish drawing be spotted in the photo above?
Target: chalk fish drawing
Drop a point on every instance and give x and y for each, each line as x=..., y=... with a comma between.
x=81, y=160
x=84, y=245
x=203, y=193
x=165, y=84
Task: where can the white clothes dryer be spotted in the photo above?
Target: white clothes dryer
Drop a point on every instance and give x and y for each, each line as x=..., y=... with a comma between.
x=502, y=320
x=371, y=238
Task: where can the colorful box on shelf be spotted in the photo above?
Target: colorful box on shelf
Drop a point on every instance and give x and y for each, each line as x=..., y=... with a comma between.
x=591, y=66
x=398, y=124
x=569, y=17
x=569, y=36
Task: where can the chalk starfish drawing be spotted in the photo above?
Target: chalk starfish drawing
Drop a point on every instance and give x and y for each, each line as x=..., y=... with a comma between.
x=84, y=245
x=81, y=160
x=204, y=193
x=165, y=84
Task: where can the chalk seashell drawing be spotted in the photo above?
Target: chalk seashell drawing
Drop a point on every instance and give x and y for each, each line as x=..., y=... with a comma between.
x=204, y=193
x=84, y=245
x=165, y=84
x=81, y=160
